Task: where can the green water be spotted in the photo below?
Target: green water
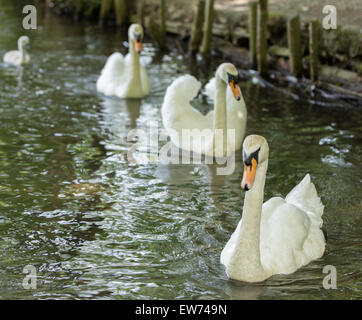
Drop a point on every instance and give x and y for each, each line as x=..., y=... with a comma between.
x=96, y=226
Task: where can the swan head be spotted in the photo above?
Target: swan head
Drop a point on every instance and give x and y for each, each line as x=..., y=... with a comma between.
x=228, y=73
x=255, y=152
x=135, y=34
x=23, y=42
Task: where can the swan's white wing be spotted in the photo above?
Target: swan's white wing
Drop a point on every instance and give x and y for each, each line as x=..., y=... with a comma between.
x=210, y=89
x=236, y=116
x=145, y=81
x=290, y=234
x=113, y=74
x=304, y=195
x=177, y=112
x=228, y=250
x=14, y=57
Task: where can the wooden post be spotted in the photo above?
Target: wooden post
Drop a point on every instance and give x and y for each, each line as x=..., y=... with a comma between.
x=313, y=50
x=162, y=24
x=121, y=11
x=140, y=10
x=105, y=7
x=262, y=36
x=78, y=7
x=295, y=50
x=252, y=20
x=197, y=27
x=207, y=36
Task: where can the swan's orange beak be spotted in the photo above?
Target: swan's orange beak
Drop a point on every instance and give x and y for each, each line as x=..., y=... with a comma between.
x=138, y=45
x=249, y=175
x=235, y=89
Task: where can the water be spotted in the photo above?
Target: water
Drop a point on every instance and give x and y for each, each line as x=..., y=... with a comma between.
x=96, y=226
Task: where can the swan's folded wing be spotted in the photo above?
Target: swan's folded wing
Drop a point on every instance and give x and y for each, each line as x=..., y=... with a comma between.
x=145, y=81
x=12, y=57
x=210, y=89
x=176, y=105
x=304, y=195
x=229, y=248
x=112, y=74
x=284, y=230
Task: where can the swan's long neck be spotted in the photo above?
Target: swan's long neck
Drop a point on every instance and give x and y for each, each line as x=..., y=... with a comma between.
x=22, y=51
x=219, y=125
x=135, y=64
x=245, y=263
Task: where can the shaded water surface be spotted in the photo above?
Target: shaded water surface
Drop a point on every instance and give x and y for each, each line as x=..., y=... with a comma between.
x=96, y=226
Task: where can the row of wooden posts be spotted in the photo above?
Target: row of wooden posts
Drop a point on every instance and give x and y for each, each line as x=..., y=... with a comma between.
x=201, y=35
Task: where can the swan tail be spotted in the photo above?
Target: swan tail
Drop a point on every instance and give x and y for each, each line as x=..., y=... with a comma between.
x=183, y=89
x=177, y=97
x=210, y=89
x=304, y=195
x=111, y=74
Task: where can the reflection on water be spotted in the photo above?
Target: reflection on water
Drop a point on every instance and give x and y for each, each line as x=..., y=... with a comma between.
x=97, y=226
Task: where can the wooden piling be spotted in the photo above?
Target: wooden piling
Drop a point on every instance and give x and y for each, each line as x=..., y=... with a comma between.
x=262, y=31
x=163, y=24
x=207, y=30
x=120, y=11
x=105, y=7
x=313, y=49
x=294, y=44
x=140, y=11
x=252, y=21
x=78, y=9
x=196, y=34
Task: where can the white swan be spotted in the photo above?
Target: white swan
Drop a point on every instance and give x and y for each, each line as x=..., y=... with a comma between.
x=229, y=114
x=279, y=236
x=125, y=77
x=18, y=57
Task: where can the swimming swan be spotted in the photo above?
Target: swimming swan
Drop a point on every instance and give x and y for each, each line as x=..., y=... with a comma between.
x=229, y=114
x=279, y=236
x=18, y=57
x=125, y=77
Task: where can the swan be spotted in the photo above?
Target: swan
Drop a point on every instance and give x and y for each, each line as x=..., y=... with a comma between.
x=18, y=57
x=279, y=236
x=229, y=114
x=125, y=77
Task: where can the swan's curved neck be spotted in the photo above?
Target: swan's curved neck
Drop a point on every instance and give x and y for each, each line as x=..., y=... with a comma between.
x=246, y=256
x=135, y=78
x=219, y=124
x=22, y=51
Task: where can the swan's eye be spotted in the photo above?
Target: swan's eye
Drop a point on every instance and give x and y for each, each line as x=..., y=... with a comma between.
x=248, y=159
x=137, y=37
x=233, y=79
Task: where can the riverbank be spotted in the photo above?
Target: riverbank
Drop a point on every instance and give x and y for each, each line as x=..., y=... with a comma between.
x=340, y=50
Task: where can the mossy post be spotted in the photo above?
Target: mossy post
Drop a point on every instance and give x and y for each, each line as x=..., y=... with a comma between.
x=196, y=35
x=294, y=44
x=105, y=7
x=314, y=49
x=140, y=10
x=252, y=21
x=78, y=9
x=163, y=24
x=120, y=8
x=207, y=36
x=262, y=31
